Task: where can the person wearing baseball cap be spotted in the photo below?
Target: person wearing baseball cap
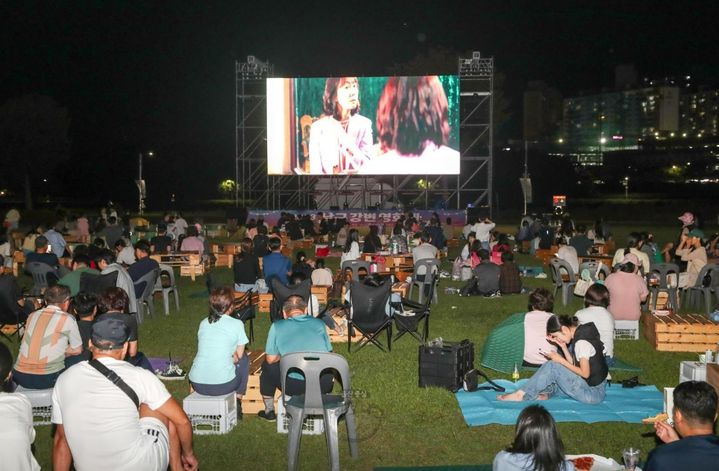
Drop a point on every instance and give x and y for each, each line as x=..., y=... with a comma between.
x=627, y=289
x=691, y=250
x=98, y=422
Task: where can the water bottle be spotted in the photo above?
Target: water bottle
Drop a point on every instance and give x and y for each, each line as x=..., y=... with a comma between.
x=515, y=374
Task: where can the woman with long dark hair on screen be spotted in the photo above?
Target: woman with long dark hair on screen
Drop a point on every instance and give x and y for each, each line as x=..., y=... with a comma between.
x=413, y=129
x=341, y=140
x=537, y=445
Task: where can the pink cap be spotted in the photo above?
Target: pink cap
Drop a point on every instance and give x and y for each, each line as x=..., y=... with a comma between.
x=630, y=257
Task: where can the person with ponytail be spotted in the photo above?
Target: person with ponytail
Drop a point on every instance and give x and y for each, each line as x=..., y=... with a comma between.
x=221, y=365
x=17, y=432
x=537, y=445
x=579, y=370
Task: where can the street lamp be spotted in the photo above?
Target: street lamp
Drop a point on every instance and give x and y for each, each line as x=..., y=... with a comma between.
x=625, y=183
x=142, y=191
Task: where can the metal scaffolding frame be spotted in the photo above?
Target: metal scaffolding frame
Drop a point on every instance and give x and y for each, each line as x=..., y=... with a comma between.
x=473, y=186
x=251, y=176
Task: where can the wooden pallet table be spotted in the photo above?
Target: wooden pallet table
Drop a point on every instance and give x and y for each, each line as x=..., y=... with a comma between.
x=263, y=302
x=322, y=293
x=336, y=338
x=686, y=333
x=452, y=243
x=401, y=288
x=252, y=401
x=190, y=263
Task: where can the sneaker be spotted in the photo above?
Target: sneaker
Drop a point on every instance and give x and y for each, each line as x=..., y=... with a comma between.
x=268, y=416
x=173, y=372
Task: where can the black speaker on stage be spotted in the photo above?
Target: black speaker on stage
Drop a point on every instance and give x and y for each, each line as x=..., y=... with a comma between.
x=240, y=214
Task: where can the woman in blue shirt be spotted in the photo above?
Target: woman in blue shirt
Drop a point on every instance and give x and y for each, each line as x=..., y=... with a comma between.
x=537, y=445
x=221, y=365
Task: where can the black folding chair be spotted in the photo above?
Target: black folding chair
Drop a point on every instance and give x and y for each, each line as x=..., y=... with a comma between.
x=410, y=324
x=368, y=315
x=97, y=284
x=281, y=292
x=244, y=310
x=11, y=319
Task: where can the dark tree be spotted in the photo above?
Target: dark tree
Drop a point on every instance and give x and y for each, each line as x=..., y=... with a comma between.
x=33, y=138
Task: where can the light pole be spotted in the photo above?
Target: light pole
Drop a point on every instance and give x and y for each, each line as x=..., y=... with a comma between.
x=141, y=183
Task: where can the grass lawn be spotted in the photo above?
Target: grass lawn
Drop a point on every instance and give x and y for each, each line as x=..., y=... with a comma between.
x=399, y=424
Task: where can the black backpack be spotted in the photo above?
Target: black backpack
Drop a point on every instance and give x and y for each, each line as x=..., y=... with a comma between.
x=469, y=288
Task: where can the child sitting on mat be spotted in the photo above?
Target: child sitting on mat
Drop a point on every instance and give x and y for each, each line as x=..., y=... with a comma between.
x=580, y=374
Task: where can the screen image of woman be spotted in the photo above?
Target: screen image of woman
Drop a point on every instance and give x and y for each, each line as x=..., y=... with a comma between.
x=413, y=129
x=341, y=140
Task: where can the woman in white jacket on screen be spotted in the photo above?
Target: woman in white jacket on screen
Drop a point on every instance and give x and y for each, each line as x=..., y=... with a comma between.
x=341, y=140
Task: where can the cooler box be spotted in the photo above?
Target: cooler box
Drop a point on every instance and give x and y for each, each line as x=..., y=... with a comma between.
x=445, y=365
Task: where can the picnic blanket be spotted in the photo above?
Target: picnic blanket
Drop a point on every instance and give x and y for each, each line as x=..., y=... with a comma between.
x=620, y=405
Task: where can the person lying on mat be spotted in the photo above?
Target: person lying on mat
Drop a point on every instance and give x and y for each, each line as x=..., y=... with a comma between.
x=536, y=445
x=580, y=374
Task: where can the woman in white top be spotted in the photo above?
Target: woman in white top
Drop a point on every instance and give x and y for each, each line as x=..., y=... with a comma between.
x=17, y=432
x=352, y=247
x=596, y=301
x=321, y=276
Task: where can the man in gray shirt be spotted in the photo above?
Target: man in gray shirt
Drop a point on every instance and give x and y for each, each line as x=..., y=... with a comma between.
x=487, y=274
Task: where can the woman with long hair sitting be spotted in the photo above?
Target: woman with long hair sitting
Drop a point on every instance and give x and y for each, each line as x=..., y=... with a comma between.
x=221, y=365
x=352, y=248
x=537, y=445
x=580, y=375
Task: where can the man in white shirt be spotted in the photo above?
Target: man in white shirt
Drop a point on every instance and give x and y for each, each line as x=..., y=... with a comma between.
x=56, y=240
x=425, y=250
x=125, y=253
x=180, y=227
x=568, y=254
x=482, y=229
x=99, y=425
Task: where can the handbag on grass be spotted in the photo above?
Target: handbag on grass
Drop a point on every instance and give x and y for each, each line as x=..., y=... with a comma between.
x=585, y=281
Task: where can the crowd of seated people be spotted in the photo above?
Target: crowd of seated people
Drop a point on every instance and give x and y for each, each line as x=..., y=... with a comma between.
x=573, y=353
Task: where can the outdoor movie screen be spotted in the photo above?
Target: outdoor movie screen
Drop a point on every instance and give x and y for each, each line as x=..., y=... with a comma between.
x=363, y=125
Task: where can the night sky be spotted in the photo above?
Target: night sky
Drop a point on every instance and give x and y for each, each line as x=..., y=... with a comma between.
x=160, y=75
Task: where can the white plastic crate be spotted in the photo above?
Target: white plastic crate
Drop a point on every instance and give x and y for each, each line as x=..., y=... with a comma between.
x=211, y=415
x=692, y=371
x=41, y=400
x=626, y=330
x=311, y=426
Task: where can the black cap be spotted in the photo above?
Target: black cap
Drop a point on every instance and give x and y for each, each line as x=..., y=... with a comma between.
x=112, y=328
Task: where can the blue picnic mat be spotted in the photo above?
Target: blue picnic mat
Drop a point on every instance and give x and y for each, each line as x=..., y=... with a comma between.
x=620, y=405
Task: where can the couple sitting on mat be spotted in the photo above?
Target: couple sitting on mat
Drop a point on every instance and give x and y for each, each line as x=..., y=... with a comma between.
x=579, y=370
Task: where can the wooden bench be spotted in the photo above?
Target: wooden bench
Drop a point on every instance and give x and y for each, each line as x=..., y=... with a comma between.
x=252, y=401
x=322, y=293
